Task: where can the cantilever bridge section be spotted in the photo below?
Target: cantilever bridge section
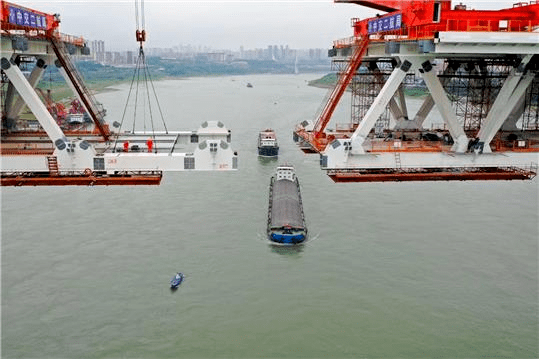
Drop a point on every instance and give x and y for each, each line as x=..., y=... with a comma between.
x=54, y=153
x=479, y=71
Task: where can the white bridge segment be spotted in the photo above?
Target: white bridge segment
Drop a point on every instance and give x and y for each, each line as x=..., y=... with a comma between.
x=338, y=157
x=210, y=158
x=398, y=109
x=354, y=154
x=206, y=149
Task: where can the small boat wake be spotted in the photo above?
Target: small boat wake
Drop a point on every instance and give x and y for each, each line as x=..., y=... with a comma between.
x=313, y=238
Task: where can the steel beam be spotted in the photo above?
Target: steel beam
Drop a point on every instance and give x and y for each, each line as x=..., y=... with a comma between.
x=426, y=106
x=504, y=104
x=378, y=106
x=444, y=106
x=30, y=97
x=402, y=102
x=33, y=80
x=396, y=110
x=511, y=123
x=424, y=110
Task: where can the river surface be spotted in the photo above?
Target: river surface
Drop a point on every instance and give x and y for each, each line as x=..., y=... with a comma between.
x=392, y=270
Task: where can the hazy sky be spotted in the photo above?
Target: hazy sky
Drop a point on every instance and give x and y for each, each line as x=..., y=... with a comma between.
x=219, y=24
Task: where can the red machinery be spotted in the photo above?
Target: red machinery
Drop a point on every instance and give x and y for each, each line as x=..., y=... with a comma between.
x=423, y=18
x=16, y=17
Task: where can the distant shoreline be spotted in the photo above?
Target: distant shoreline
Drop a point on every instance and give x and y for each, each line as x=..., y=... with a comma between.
x=62, y=93
x=328, y=81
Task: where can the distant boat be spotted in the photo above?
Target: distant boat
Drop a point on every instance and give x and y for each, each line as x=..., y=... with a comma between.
x=286, y=221
x=176, y=280
x=267, y=143
x=249, y=85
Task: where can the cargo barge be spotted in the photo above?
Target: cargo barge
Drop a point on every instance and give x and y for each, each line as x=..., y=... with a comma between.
x=267, y=144
x=286, y=220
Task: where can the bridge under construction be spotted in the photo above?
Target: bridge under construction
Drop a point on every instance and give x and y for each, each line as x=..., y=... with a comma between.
x=54, y=151
x=479, y=70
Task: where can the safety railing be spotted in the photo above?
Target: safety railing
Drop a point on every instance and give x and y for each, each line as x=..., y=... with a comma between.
x=70, y=39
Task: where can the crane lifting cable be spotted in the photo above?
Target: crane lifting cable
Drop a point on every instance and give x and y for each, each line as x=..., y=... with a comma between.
x=142, y=82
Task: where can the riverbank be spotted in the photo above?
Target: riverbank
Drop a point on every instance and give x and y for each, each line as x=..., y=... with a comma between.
x=101, y=78
x=328, y=81
x=60, y=92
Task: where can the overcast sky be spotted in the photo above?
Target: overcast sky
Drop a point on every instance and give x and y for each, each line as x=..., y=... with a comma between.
x=219, y=24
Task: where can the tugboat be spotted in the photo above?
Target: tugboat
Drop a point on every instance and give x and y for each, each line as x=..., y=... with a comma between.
x=267, y=144
x=286, y=220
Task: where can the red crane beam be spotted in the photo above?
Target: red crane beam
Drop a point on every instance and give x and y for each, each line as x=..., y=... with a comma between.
x=340, y=87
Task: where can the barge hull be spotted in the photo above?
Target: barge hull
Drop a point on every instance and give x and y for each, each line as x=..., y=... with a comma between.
x=286, y=220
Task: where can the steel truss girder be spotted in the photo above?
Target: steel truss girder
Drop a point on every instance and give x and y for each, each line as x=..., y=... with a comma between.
x=32, y=100
x=513, y=91
x=441, y=100
x=378, y=106
x=530, y=113
x=35, y=76
x=387, y=94
x=426, y=106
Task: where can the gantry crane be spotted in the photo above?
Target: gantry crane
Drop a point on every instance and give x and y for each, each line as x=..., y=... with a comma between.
x=494, y=53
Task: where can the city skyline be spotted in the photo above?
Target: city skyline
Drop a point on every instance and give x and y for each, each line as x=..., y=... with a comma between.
x=281, y=53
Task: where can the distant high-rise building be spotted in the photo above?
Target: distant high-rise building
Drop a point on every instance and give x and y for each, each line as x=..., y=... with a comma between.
x=129, y=59
x=98, y=50
x=108, y=57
